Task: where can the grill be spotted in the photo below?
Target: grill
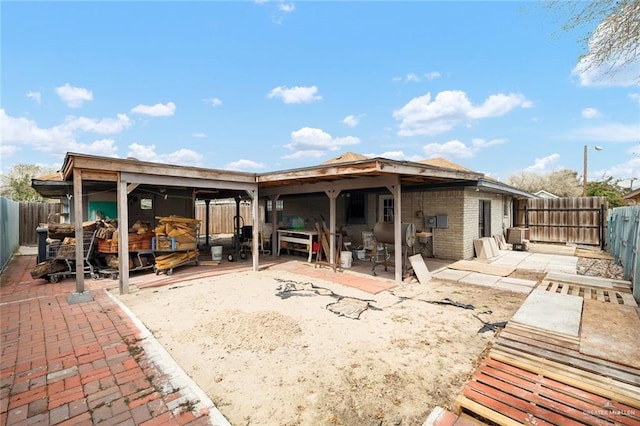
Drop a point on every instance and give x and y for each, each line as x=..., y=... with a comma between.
x=383, y=234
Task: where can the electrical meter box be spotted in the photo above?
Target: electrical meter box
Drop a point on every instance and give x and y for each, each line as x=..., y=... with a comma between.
x=429, y=221
x=442, y=221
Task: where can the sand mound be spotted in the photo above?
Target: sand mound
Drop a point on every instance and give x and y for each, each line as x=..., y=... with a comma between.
x=256, y=331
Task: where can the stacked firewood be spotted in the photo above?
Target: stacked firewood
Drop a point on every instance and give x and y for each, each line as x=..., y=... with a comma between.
x=175, y=233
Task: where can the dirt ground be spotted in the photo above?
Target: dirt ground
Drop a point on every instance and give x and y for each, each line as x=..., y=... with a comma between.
x=276, y=348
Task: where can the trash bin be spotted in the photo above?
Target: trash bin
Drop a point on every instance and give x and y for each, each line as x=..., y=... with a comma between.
x=43, y=232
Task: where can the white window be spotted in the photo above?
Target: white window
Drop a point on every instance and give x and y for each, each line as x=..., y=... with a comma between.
x=385, y=208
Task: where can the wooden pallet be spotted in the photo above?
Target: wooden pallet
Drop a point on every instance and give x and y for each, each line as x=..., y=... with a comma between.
x=618, y=296
x=510, y=390
x=533, y=376
x=520, y=341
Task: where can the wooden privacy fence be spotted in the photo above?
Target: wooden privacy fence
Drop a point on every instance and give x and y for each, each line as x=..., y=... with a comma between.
x=623, y=241
x=33, y=215
x=577, y=220
x=221, y=216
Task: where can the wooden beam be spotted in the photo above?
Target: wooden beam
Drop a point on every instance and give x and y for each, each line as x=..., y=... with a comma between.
x=255, y=235
x=107, y=164
x=332, y=194
x=123, y=237
x=99, y=175
x=188, y=181
x=344, y=184
x=77, y=217
x=131, y=187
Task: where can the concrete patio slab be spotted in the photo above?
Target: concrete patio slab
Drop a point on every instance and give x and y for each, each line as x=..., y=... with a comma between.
x=450, y=275
x=480, y=279
x=557, y=313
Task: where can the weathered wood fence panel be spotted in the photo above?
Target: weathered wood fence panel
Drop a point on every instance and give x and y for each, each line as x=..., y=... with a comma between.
x=577, y=220
x=623, y=242
x=33, y=215
x=9, y=233
x=221, y=216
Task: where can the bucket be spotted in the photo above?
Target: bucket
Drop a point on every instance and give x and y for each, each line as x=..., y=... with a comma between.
x=360, y=254
x=345, y=259
x=216, y=252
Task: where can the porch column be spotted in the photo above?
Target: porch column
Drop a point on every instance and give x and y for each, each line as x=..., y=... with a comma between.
x=274, y=225
x=397, y=228
x=123, y=236
x=206, y=215
x=332, y=194
x=255, y=235
x=79, y=295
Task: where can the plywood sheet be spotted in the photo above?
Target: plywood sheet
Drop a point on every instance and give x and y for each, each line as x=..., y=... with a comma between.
x=610, y=331
x=552, y=249
x=483, y=268
x=557, y=313
x=420, y=268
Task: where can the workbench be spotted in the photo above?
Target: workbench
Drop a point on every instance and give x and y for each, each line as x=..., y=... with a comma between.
x=296, y=239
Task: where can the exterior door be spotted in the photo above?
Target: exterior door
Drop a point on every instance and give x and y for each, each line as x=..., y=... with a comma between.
x=484, y=219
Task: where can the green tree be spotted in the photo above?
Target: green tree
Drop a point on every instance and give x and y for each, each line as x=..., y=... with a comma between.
x=610, y=30
x=16, y=185
x=608, y=188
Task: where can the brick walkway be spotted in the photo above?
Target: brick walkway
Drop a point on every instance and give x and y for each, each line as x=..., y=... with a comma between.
x=85, y=363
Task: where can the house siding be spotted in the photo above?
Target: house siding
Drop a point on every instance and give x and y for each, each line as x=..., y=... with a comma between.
x=460, y=206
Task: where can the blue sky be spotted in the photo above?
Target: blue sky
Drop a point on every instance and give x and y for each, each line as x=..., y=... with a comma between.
x=272, y=85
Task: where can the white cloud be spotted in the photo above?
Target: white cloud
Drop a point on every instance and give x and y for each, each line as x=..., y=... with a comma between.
x=416, y=78
x=295, y=95
x=500, y=104
x=432, y=75
x=626, y=170
x=36, y=96
x=157, y=110
x=618, y=71
x=101, y=147
x=590, y=113
x=424, y=116
x=74, y=97
x=396, y=155
x=458, y=149
x=199, y=135
x=62, y=138
x=479, y=143
x=244, y=165
x=450, y=149
x=312, y=142
x=635, y=97
x=351, y=120
x=184, y=157
x=7, y=151
x=545, y=164
x=286, y=7
x=607, y=132
x=214, y=102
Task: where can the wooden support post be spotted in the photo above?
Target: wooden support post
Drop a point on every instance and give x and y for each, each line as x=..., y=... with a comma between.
x=332, y=194
x=397, y=228
x=79, y=231
x=123, y=237
x=274, y=225
x=255, y=236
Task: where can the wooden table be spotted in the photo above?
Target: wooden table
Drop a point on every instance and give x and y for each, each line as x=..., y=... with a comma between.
x=297, y=236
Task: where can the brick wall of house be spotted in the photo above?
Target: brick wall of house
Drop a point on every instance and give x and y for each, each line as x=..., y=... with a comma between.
x=448, y=243
x=453, y=243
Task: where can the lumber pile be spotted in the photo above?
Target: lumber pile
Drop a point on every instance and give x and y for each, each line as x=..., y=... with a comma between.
x=175, y=233
x=325, y=241
x=60, y=231
x=169, y=261
x=140, y=236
